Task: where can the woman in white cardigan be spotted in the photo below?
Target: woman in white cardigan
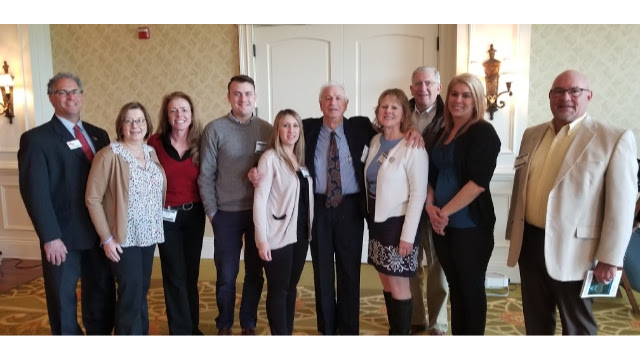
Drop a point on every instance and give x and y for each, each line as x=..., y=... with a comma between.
x=396, y=184
x=282, y=215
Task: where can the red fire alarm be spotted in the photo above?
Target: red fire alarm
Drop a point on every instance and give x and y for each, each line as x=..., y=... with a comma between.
x=143, y=32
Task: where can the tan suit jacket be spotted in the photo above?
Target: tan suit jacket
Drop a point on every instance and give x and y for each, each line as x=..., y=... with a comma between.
x=590, y=208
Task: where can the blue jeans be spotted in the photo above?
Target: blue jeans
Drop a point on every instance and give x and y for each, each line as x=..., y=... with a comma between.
x=228, y=230
x=632, y=260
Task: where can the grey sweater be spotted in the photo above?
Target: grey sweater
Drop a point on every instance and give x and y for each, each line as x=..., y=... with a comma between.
x=227, y=153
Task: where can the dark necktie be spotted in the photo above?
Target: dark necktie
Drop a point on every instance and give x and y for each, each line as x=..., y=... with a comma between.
x=85, y=145
x=334, y=183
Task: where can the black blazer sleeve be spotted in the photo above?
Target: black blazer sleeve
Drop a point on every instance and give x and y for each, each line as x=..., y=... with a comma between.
x=34, y=187
x=475, y=157
x=482, y=149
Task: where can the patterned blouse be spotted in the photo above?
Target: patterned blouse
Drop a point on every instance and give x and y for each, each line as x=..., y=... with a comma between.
x=144, y=217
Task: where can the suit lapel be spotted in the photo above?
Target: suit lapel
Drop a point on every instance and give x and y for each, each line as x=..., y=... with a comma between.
x=586, y=133
x=533, y=141
x=312, y=134
x=65, y=136
x=95, y=135
x=349, y=135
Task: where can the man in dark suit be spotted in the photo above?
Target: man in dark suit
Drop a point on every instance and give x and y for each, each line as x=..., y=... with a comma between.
x=338, y=225
x=337, y=228
x=54, y=160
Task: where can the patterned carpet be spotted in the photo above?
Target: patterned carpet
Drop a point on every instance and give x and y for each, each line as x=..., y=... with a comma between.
x=23, y=312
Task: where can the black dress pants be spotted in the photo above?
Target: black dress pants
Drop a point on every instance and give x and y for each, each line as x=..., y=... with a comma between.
x=180, y=259
x=541, y=294
x=337, y=232
x=133, y=277
x=464, y=255
x=97, y=293
x=283, y=274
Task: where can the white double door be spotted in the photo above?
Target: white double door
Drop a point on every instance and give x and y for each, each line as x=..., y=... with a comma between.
x=292, y=62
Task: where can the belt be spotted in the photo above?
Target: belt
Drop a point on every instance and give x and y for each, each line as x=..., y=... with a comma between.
x=348, y=196
x=185, y=207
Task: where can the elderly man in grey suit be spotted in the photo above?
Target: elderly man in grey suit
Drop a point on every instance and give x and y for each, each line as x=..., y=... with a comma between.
x=570, y=209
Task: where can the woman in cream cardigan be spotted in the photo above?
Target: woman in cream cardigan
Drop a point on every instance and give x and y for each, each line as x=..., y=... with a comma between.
x=282, y=215
x=125, y=194
x=396, y=185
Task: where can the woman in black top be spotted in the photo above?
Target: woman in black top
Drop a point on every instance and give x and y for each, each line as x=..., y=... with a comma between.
x=459, y=201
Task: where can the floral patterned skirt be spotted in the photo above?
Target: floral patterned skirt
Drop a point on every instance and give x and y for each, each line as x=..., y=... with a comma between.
x=384, y=239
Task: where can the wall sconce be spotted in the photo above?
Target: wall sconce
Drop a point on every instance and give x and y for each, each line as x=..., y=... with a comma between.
x=6, y=86
x=492, y=77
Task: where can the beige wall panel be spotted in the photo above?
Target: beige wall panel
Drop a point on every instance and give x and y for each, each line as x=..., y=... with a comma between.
x=117, y=67
x=607, y=54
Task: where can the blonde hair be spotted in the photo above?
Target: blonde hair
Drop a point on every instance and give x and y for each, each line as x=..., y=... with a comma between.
x=274, y=141
x=403, y=101
x=479, y=101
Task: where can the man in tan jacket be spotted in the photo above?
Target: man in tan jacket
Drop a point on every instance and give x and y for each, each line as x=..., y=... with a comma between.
x=571, y=209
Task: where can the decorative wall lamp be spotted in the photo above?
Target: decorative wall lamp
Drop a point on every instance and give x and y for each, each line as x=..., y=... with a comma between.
x=6, y=86
x=492, y=77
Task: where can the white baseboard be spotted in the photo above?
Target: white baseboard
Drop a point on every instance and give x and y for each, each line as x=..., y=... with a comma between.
x=20, y=248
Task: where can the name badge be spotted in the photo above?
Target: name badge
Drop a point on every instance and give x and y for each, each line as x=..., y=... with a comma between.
x=169, y=215
x=365, y=153
x=261, y=146
x=74, y=144
x=382, y=159
x=304, y=171
x=521, y=160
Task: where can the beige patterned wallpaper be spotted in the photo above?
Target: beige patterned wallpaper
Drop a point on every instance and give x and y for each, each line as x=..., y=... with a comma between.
x=116, y=67
x=608, y=55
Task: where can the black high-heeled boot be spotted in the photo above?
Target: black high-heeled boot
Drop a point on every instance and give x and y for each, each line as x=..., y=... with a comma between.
x=402, y=311
x=387, y=302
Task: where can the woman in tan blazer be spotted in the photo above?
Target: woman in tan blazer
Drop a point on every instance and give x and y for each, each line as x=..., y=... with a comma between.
x=125, y=194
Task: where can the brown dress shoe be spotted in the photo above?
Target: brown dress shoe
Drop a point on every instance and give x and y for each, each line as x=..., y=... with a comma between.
x=436, y=332
x=224, y=331
x=418, y=329
x=250, y=331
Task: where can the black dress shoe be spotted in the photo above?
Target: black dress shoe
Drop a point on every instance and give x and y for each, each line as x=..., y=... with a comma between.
x=418, y=328
x=249, y=331
x=224, y=331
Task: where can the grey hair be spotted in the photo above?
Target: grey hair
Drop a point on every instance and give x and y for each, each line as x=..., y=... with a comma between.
x=432, y=69
x=331, y=84
x=63, y=75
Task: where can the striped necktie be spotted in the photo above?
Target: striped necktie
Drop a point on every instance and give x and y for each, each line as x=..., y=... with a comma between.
x=85, y=144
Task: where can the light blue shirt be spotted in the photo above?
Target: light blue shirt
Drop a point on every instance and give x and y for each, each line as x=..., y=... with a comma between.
x=69, y=125
x=347, y=173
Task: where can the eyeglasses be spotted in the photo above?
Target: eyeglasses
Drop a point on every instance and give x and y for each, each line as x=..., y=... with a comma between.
x=63, y=92
x=573, y=92
x=139, y=122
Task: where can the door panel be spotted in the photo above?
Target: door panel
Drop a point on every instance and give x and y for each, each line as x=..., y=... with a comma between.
x=378, y=57
x=292, y=62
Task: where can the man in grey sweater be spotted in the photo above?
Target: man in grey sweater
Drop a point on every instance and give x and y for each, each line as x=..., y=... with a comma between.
x=230, y=146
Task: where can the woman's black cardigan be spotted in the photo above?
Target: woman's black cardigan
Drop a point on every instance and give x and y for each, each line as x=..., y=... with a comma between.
x=475, y=155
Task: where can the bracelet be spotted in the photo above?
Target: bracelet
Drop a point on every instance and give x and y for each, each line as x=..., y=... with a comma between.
x=107, y=241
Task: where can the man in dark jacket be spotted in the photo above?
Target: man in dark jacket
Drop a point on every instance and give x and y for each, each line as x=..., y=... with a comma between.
x=428, y=115
x=54, y=160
